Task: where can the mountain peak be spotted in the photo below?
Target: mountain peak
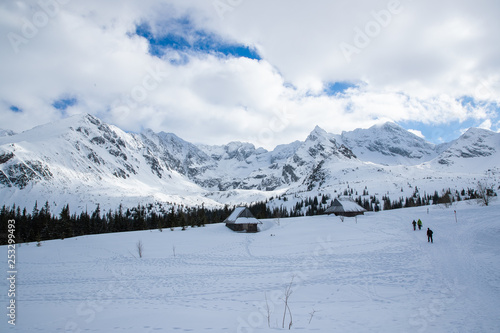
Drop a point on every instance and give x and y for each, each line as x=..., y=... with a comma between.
x=78, y=118
x=318, y=129
x=6, y=133
x=316, y=133
x=477, y=131
x=389, y=143
x=475, y=142
x=388, y=126
x=170, y=137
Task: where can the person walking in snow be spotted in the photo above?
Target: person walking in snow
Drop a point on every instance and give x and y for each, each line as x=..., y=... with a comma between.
x=414, y=225
x=419, y=224
x=429, y=236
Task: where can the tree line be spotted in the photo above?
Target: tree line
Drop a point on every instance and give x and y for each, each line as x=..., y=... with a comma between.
x=41, y=224
x=317, y=205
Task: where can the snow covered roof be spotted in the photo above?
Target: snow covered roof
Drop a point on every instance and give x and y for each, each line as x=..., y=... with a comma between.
x=246, y=220
x=343, y=206
x=242, y=215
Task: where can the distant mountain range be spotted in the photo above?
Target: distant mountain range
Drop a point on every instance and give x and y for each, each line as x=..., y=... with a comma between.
x=84, y=161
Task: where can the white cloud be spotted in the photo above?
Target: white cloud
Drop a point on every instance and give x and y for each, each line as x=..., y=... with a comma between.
x=417, y=133
x=417, y=67
x=423, y=47
x=486, y=124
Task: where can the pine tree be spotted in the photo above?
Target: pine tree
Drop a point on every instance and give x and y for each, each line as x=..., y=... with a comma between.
x=95, y=220
x=435, y=198
x=66, y=223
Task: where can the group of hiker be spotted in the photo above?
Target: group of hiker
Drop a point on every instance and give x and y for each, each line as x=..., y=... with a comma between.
x=429, y=231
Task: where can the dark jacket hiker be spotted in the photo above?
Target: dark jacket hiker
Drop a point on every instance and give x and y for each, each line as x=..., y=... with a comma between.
x=429, y=235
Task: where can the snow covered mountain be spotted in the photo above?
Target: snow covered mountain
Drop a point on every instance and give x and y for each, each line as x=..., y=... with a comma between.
x=473, y=144
x=389, y=144
x=84, y=161
x=6, y=132
x=81, y=160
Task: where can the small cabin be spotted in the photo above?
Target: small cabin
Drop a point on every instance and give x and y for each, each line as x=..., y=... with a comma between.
x=242, y=220
x=345, y=207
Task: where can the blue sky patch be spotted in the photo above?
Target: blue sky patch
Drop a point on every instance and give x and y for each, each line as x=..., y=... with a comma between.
x=493, y=108
x=467, y=100
x=441, y=133
x=15, y=109
x=334, y=88
x=181, y=36
x=63, y=103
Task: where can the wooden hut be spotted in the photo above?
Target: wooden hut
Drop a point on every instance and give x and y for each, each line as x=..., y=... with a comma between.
x=345, y=207
x=242, y=220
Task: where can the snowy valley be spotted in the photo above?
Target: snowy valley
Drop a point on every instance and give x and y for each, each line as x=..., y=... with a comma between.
x=376, y=275
x=232, y=166
x=369, y=274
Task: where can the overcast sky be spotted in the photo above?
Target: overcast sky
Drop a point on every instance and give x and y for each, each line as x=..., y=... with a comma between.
x=266, y=72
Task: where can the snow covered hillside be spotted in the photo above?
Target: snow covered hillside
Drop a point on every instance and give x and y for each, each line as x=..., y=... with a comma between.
x=389, y=144
x=82, y=161
x=476, y=142
x=376, y=275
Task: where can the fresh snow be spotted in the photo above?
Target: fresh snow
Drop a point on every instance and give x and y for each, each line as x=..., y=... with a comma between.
x=390, y=144
x=82, y=161
x=342, y=205
x=376, y=275
x=6, y=132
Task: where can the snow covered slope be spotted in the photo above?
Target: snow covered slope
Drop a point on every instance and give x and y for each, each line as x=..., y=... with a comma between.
x=84, y=161
x=6, y=132
x=390, y=144
x=376, y=275
x=475, y=148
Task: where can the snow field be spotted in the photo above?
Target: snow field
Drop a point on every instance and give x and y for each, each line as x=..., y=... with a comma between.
x=371, y=276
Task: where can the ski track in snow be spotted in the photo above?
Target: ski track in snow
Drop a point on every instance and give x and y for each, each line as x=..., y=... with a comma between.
x=376, y=275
